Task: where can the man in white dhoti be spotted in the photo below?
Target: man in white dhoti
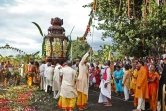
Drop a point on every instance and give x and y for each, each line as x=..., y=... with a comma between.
x=42, y=69
x=82, y=82
x=105, y=84
x=45, y=75
x=68, y=91
x=49, y=78
x=56, y=80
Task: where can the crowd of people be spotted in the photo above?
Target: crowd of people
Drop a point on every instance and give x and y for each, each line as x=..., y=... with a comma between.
x=69, y=81
x=138, y=78
x=9, y=71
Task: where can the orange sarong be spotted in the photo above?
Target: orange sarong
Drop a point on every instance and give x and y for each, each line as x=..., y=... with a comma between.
x=66, y=103
x=30, y=79
x=82, y=100
x=153, y=87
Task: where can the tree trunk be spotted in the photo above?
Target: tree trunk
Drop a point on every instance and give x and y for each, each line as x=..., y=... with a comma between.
x=128, y=5
x=134, y=15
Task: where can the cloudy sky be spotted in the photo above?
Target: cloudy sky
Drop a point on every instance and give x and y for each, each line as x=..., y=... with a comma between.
x=17, y=30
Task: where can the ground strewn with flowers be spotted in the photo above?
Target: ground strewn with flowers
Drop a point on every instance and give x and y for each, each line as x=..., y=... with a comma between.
x=22, y=98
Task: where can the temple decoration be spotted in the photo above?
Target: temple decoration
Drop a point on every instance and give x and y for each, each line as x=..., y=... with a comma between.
x=56, y=43
x=7, y=46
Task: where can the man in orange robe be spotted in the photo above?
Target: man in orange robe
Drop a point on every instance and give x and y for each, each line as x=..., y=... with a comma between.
x=147, y=71
x=141, y=91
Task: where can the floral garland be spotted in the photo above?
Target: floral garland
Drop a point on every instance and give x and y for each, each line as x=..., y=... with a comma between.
x=89, y=22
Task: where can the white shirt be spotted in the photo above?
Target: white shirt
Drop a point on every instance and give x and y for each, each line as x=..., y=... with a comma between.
x=50, y=73
x=56, y=77
x=68, y=83
x=82, y=83
x=45, y=68
x=42, y=69
x=74, y=67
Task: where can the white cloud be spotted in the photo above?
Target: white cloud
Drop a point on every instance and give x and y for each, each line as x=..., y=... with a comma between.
x=17, y=30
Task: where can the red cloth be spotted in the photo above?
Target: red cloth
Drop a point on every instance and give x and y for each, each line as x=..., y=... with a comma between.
x=97, y=77
x=105, y=74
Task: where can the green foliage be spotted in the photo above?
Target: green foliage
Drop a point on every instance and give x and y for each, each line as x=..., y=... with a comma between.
x=41, y=33
x=136, y=35
x=79, y=48
x=36, y=55
x=106, y=53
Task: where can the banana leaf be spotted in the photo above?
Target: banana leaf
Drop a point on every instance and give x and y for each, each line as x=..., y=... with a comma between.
x=38, y=28
x=36, y=53
x=43, y=51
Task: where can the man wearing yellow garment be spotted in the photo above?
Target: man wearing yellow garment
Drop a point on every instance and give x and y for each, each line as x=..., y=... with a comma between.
x=68, y=92
x=82, y=82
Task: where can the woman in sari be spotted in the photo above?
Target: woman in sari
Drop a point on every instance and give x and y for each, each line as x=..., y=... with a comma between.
x=97, y=76
x=153, y=79
x=118, y=75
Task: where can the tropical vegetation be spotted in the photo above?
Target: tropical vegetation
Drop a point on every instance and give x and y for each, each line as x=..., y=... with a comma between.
x=137, y=27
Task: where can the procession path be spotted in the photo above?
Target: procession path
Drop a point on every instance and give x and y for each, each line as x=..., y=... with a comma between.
x=118, y=104
x=41, y=101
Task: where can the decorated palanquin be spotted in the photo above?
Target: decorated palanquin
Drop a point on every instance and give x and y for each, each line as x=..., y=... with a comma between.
x=56, y=43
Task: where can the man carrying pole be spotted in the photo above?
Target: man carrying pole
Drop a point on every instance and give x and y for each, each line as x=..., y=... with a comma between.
x=82, y=82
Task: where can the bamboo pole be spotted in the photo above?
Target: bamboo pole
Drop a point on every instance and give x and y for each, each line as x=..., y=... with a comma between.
x=128, y=5
x=93, y=28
